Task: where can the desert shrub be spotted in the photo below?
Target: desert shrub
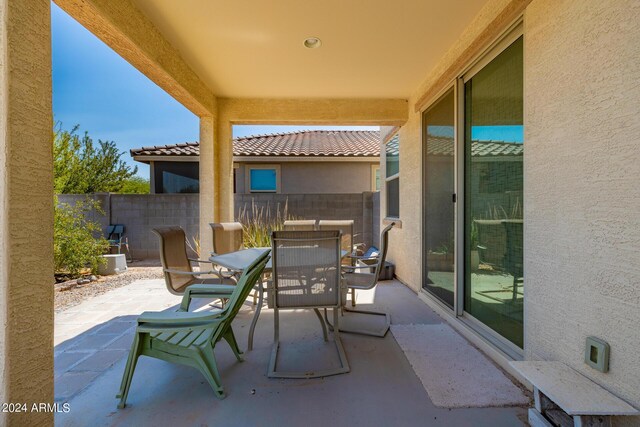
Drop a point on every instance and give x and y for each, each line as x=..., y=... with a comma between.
x=193, y=244
x=75, y=245
x=259, y=222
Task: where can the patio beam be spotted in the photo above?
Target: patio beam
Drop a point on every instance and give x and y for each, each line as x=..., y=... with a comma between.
x=124, y=28
x=26, y=210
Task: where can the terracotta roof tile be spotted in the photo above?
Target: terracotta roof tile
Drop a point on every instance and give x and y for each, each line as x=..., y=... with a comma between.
x=443, y=146
x=327, y=143
x=304, y=143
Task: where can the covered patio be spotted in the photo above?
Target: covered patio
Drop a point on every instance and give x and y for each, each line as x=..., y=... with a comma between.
x=386, y=64
x=92, y=341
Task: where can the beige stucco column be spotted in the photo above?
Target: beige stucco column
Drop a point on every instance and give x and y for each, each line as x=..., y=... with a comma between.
x=208, y=181
x=26, y=209
x=224, y=149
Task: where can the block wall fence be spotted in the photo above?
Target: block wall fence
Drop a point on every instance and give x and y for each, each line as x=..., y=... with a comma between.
x=140, y=213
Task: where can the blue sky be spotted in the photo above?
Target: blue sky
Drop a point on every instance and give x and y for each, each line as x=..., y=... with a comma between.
x=95, y=88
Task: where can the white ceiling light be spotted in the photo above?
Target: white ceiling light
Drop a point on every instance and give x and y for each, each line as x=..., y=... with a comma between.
x=312, y=42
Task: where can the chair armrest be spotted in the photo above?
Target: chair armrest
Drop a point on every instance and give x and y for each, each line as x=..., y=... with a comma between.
x=187, y=273
x=176, y=317
x=150, y=321
x=357, y=267
x=202, y=261
x=153, y=321
x=205, y=290
x=361, y=257
x=208, y=289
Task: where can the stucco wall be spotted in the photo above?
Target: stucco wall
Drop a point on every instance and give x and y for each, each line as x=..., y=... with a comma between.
x=582, y=192
x=582, y=198
x=316, y=177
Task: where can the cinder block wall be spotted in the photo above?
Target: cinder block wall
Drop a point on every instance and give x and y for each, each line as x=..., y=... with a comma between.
x=140, y=213
x=359, y=207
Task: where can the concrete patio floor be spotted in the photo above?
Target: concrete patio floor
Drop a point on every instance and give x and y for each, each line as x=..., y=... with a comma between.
x=92, y=341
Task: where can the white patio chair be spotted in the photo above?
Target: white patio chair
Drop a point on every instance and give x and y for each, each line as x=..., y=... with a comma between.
x=306, y=275
x=355, y=279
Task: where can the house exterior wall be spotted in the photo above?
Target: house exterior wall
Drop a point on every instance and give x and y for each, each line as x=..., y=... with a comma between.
x=315, y=177
x=581, y=192
x=349, y=112
x=320, y=177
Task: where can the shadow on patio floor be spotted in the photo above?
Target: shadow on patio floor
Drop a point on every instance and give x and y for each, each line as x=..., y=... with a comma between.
x=380, y=390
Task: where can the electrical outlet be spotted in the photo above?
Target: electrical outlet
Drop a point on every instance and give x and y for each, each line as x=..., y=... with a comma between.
x=596, y=354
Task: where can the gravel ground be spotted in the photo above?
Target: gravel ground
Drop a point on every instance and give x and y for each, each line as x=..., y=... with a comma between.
x=68, y=294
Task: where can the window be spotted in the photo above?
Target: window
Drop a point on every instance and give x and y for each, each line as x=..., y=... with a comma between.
x=392, y=180
x=176, y=177
x=264, y=179
x=375, y=178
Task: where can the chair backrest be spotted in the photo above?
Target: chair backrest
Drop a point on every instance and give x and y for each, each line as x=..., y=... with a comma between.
x=514, y=252
x=306, y=269
x=368, y=280
x=115, y=231
x=173, y=255
x=227, y=237
x=299, y=225
x=384, y=245
x=344, y=226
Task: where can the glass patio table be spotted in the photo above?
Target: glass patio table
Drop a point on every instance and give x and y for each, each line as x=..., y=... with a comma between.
x=236, y=262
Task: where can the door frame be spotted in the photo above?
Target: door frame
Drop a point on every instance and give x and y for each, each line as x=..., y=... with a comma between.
x=487, y=334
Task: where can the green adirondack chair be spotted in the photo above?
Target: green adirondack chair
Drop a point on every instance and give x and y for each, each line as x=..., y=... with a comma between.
x=189, y=338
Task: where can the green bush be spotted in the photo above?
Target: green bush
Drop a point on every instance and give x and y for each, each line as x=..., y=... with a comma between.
x=75, y=247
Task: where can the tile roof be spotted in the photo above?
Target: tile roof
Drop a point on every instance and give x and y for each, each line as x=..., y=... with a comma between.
x=304, y=143
x=327, y=143
x=184, y=149
x=443, y=146
x=310, y=143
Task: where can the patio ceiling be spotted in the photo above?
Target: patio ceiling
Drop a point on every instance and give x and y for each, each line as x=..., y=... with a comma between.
x=254, y=48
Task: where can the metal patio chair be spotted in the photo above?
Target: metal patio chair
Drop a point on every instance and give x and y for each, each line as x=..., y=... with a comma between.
x=178, y=272
x=227, y=237
x=306, y=275
x=355, y=279
x=346, y=228
x=116, y=239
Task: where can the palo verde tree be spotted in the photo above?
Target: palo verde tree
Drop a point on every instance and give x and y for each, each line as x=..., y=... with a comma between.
x=82, y=167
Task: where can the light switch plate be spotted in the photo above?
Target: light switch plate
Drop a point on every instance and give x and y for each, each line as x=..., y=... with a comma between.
x=596, y=354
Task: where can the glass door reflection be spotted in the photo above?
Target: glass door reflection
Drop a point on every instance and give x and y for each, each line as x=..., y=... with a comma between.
x=494, y=152
x=439, y=187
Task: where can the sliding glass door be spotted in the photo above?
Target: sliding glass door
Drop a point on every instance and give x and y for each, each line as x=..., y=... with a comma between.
x=493, y=182
x=473, y=148
x=439, y=188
